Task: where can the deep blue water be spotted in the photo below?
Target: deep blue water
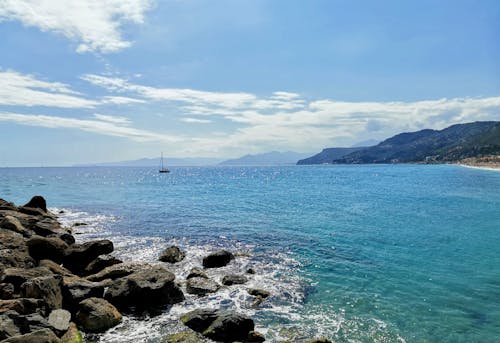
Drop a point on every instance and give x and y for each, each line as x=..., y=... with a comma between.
x=373, y=253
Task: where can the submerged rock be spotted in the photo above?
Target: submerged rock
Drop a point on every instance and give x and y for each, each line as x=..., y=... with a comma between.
x=229, y=280
x=217, y=259
x=197, y=272
x=256, y=292
x=183, y=337
x=201, y=286
x=172, y=255
x=97, y=315
x=143, y=289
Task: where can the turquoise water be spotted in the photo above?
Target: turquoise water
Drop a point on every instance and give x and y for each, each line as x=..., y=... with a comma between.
x=356, y=253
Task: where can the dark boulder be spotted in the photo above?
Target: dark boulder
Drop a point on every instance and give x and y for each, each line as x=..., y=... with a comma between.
x=47, y=288
x=172, y=255
x=319, y=340
x=118, y=270
x=18, y=276
x=37, y=202
x=217, y=259
x=54, y=267
x=256, y=292
x=47, y=227
x=229, y=327
x=14, y=251
x=6, y=205
x=100, y=263
x=13, y=224
x=76, y=289
x=25, y=323
x=250, y=271
x=201, y=286
x=97, y=315
x=254, y=337
x=149, y=288
x=7, y=291
x=32, y=211
x=78, y=256
x=229, y=280
x=68, y=238
x=23, y=306
x=199, y=320
x=51, y=248
x=197, y=272
x=39, y=336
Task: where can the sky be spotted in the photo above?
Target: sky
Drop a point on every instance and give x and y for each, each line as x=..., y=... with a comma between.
x=109, y=80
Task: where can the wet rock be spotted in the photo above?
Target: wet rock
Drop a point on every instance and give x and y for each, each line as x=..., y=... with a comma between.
x=197, y=272
x=23, y=306
x=229, y=327
x=54, y=267
x=250, y=271
x=13, y=224
x=47, y=288
x=229, y=280
x=254, y=337
x=118, y=271
x=152, y=287
x=319, y=340
x=256, y=292
x=68, y=238
x=172, y=255
x=183, y=337
x=76, y=289
x=51, y=248
x=100, y=263
x=217, y=259
x=201, y=286
x=199, y=320
x=78, y=256
x=37, y=202
x=97, y=315
x=59, y=319
x=73, y=335
x=80, y=224
x=39, y=336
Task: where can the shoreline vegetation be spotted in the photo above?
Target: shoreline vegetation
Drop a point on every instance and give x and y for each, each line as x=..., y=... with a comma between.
x=53, y=289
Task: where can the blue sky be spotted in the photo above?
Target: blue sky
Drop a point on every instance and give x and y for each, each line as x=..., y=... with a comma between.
x=96, y=81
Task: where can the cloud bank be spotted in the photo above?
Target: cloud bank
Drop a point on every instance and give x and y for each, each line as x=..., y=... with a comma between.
x=93, y=24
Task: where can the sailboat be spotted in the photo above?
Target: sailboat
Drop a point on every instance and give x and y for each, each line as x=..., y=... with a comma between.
x=163, y=169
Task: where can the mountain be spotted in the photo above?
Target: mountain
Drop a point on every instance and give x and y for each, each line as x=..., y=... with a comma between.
x=328, y=155
x=154, y=162
x=433, y=146
x=266, y=159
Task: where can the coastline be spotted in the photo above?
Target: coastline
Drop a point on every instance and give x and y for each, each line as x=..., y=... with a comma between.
x=490, y=167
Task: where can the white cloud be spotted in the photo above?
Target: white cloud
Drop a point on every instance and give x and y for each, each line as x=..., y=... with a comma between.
x=103, y=127
x=25, y=90
x=94, y=24
x=120, y=100
x=195, y=120
x=112, y=119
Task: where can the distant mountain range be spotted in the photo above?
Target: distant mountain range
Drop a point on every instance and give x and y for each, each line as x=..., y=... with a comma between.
x=452, y=144
x=266, y=159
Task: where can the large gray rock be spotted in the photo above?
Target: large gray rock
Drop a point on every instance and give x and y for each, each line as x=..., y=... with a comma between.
x=229, y=327
x=143, y=289
x=97, y=315
x=172, y=255
x=201, y=286
x=233, y=279
x=39, y=336
x=76, y=289
x=60, y=319
x=100, y=263
x=200, y=319
x=8, y=327
x=78, y=256
x=118, y=271
x=47, y=288
x=217, y=259
x=51, y=248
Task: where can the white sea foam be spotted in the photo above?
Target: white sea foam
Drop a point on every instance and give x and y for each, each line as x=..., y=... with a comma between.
x=283, y=316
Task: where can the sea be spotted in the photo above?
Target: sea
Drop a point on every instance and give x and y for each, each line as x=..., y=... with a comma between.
x=361, y=253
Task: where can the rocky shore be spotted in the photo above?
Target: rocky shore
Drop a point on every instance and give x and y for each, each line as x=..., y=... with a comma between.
x=53, y=289
x=485, y=162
